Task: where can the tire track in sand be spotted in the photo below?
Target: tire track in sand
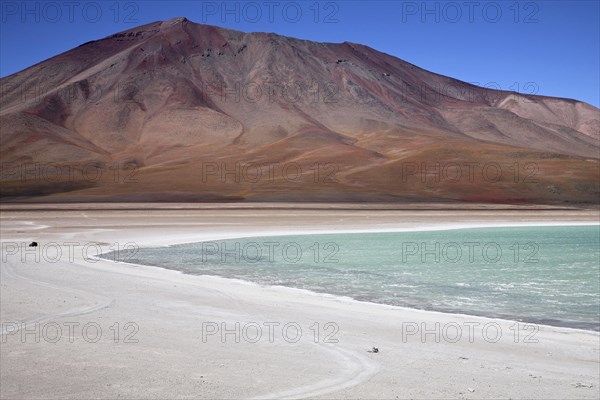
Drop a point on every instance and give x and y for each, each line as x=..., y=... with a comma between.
x=101, y=301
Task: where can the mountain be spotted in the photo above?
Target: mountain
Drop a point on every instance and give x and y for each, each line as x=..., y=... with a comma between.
x=178, y=111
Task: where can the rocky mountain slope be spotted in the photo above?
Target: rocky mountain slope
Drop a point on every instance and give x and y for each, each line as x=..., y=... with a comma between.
x=178, y=111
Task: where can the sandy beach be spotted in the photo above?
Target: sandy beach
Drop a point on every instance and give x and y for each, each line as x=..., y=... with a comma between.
x=75, y=326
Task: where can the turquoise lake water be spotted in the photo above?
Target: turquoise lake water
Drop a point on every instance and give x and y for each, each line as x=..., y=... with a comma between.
x=548, y=275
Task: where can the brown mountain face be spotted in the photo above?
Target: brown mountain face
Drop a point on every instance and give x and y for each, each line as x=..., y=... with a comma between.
x=177, y=111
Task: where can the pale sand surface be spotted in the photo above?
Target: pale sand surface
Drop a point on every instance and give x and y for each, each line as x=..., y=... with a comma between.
x=171, y=360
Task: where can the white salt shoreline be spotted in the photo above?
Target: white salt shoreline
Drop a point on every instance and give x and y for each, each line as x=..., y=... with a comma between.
x=166, y=242
x=170, y=308
x=289, y=290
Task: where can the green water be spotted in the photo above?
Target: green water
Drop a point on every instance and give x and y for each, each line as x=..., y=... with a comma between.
x=548, y=275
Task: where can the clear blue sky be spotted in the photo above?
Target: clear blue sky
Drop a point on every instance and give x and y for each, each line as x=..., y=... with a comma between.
x=543, y=47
